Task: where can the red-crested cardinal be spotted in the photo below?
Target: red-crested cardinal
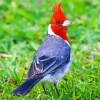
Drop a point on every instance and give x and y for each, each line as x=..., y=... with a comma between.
x=53, y=58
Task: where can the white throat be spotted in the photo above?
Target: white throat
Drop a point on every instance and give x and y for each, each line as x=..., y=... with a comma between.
x=52, y=33
x=50, y=30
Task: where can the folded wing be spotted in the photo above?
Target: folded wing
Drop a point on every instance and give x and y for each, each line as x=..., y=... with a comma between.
x=44, y=65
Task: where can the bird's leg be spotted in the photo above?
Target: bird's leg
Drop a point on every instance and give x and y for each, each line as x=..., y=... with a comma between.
x=55, y=85
x=44, y=88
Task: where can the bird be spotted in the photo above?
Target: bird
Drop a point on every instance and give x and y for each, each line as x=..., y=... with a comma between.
x=53, y=58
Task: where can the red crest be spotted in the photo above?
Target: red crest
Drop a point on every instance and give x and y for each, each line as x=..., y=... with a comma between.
x=58, y=14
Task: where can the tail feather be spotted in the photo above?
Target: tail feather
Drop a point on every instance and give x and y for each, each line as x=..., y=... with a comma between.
x=25, y=88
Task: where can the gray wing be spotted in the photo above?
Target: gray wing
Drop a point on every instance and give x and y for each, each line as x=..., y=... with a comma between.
x=44, y=65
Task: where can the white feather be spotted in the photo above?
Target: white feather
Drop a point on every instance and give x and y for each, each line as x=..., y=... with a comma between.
x=52, y=33
x=50, y=30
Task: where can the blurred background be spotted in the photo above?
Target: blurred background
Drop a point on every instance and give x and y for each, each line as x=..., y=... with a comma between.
x=23, y=27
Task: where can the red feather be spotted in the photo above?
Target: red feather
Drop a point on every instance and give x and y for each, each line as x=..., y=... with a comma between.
x=58, y=15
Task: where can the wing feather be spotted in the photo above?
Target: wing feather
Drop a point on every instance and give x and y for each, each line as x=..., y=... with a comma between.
x=43, y=65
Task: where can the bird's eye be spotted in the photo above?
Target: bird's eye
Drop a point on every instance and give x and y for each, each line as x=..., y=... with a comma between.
x=58, y=23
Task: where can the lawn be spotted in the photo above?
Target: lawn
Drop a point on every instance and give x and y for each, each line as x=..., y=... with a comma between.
x=23, y=27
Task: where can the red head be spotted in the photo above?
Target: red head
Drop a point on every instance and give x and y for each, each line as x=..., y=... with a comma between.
x=59, y=23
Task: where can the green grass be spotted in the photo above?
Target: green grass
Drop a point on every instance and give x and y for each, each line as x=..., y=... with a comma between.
x=23, y=27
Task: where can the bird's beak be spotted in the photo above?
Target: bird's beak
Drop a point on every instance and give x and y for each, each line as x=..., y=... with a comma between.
x=66, y=23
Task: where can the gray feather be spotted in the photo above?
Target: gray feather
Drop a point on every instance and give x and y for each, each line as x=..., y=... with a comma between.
x=50, y=56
